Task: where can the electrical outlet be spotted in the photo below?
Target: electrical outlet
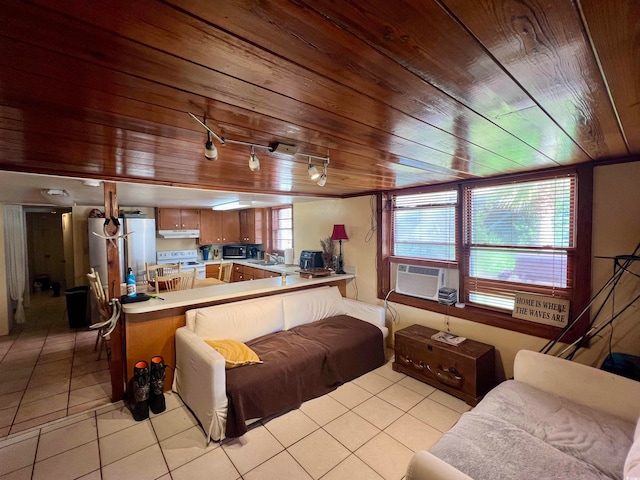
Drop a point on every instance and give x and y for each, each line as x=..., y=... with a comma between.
x=350, y=269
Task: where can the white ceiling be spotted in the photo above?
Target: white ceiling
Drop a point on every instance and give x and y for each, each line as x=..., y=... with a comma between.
x=26, y=189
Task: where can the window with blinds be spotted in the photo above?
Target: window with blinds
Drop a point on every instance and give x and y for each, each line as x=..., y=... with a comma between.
x=282, y=228
x=424, y=225
x=518, y=237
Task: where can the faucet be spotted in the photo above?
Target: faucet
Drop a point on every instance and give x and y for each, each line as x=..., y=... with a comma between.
x=275, y=257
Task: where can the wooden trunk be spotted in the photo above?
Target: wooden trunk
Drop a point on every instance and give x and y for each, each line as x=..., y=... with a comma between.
x=466, y=371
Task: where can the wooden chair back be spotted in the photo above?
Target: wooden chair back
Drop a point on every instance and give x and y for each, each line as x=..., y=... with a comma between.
x=225, y=271
x=154, y=271
x=102, y=302
x=177, y=281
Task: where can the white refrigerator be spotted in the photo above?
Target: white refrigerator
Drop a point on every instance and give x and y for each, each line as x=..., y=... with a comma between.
x=138, y=248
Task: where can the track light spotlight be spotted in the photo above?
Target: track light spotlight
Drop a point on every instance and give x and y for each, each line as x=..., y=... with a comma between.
x=254, y=163
x=322, y=181
x=210, y=150
x=314, y=174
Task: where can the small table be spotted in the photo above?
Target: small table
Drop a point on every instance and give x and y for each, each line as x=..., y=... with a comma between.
x=466, y=371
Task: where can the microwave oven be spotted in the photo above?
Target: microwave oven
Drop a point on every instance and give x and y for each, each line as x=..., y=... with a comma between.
x=234, y=251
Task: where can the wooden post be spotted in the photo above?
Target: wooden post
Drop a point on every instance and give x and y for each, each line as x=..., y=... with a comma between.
x=113, y=286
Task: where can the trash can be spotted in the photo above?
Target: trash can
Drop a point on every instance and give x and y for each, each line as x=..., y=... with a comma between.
x=77, y=306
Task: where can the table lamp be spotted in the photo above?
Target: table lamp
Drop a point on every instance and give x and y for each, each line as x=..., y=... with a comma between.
x=339, y=234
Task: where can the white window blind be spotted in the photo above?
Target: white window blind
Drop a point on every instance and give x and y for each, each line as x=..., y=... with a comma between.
x=519, y=237
x=424, y=225
x=282, y=228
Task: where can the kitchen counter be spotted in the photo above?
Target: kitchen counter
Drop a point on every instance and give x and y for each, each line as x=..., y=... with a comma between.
x=278, y=267
x=204, y=295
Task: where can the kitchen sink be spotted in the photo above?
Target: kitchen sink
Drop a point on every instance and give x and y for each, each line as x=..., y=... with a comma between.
x=264, y=262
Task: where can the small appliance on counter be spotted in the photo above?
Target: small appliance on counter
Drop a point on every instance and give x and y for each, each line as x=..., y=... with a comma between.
x=311, y=259
x=234, y=251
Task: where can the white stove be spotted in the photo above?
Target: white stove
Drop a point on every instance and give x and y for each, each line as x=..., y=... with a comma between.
x=188, y=260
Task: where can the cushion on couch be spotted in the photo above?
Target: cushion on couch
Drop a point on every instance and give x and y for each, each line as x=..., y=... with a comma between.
x=310, y=306
x=236, y=354
x=240, y=321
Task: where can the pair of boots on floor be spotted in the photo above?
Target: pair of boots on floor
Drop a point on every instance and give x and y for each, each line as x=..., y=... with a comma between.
x=148, y=388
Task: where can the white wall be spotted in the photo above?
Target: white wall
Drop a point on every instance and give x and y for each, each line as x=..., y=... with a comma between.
x=616, y=231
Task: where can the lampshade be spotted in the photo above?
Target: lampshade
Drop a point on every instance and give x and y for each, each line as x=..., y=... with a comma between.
x=339, y=233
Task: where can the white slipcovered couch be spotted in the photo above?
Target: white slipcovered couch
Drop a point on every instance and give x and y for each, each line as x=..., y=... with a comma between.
x=556, y=420
x=200, y=376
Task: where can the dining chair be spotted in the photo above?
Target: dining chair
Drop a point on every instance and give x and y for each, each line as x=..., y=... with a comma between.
x=225, y=271
x=154, y=271
x=177, y=281
x=104, y=311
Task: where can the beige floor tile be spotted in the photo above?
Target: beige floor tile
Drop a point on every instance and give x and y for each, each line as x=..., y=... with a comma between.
x=114, y=420
x=54, y=347
x=147, y=464
x=10, y=400
x=351, y=430
x=318, y=453
x=22, y=354
x=90, y=379
x=279, y=467
x=37, y=421
x=172, y=400
x=15, y=385
x=201, y=468
x=45, y=391
x=7, y=415
x=71, y=464
x=18, y=455
x=4, y=431
x=27, y=344
x=37, y=380
x=66, y=421
x=173, y=422
x=89, y=367
x=401, y=397
x=9, y=364
x=372, y=382
x=413, y=433
x=21, y=474
x=417, y=386
x=387, y=372
x=323, y=409
x=384, y=454
x=435, y=414
x=90, y=393
x=96, y=475
x=378, y=412
x=350, y=394
x=126, y=442
x=44, y=406
x=449, y=401
x=92, y=405
x=253, y=448
x=185, y=446
x=54, y=356
x=59, y=366
x=291, y=427
x=66, y=438
x=350, y=469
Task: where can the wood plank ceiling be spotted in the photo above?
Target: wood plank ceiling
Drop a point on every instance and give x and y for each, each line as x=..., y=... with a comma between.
x=397, y=93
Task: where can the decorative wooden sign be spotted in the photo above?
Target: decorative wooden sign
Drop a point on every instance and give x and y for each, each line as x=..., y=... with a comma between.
x=541, y=309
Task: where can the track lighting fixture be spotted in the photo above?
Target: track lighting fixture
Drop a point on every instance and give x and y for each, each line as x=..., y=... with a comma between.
x=211, y=152
x=254, y=163
x=314, y=174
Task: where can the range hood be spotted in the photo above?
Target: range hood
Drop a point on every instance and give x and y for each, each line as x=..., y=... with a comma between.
x=179, y=233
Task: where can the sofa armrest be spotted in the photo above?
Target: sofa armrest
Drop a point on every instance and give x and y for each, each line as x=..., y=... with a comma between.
x=200, y=380
x=580, y=383
x=425, y=466
x=366, y=312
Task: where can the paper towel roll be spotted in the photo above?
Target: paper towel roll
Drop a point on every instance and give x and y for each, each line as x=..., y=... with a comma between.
x=288, y=256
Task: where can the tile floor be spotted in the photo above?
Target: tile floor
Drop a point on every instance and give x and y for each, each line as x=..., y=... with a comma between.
x=47, y=370
x=366, y=429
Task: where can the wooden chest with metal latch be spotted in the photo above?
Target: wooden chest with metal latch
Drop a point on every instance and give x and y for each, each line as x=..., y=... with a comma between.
x=466, y=371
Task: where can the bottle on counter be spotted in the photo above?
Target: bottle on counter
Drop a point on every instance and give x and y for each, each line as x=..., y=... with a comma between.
x=131, y=283
x=283, y=277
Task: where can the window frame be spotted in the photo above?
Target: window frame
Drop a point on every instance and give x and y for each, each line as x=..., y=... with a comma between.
x=273, y=231
x=581, y=273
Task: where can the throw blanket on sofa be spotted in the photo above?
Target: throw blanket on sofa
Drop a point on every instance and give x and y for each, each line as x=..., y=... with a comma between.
x=300, y=364
x=518, y=428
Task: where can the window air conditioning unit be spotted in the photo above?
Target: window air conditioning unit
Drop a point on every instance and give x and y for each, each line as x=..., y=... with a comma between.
x=422, y=282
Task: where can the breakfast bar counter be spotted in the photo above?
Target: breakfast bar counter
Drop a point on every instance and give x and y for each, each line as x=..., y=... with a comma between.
x=150, y=326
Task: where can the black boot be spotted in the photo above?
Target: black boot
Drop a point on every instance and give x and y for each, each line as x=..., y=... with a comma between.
x=140, y=400
x=156, y=396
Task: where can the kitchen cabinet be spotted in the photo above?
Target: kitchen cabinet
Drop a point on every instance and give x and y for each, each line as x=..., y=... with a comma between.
x=253, y=225
x=178, y=219
x=218, y=227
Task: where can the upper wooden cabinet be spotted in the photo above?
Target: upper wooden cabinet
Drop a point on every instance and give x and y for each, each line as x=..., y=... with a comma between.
x=178, y=219
x=218, y=227
x=253, y=225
